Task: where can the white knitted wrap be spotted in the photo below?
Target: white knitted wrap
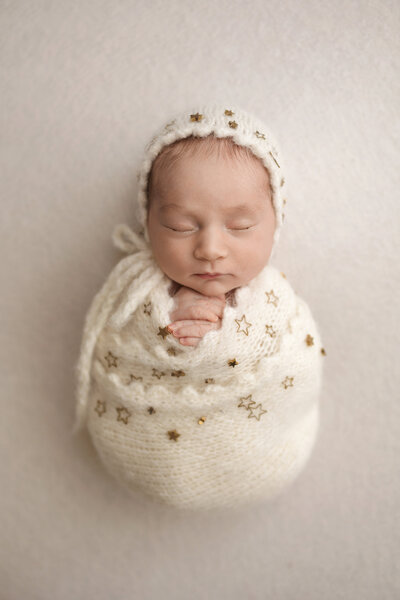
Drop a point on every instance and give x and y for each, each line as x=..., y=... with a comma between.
x=230, y=421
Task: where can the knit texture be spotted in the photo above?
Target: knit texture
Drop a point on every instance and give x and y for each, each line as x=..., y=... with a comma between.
x=230, y=421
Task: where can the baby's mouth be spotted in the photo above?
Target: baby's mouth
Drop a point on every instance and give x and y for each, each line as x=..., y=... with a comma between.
x=209, y=275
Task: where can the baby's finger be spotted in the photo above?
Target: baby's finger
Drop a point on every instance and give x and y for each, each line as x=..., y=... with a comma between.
x=191, y=328
x=189, y=341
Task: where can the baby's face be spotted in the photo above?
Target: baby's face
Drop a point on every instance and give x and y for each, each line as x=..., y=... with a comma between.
x=212, y=215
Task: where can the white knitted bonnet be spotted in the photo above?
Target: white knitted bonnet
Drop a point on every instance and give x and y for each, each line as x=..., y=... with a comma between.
x=222, y=121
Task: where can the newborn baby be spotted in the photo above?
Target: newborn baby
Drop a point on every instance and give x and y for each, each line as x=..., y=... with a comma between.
x=200, y=368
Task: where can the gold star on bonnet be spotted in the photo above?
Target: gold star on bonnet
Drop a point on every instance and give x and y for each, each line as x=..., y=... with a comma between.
x=196, y=117
x=229, y=113
x=147, y=308
x=232, y=362
x=245, y=325
x=173, y=435
x=233, y=124
x=309, y=340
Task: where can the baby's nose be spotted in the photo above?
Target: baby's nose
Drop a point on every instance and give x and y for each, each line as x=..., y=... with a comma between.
x=210, y=246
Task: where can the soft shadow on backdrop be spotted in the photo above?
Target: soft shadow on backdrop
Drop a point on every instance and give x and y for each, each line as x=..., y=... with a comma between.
x=84, y=86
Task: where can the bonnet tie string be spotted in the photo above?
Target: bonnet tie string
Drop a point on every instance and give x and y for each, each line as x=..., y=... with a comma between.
x=131, y=280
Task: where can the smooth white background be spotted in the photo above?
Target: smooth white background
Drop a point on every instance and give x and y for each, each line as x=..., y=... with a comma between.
x=84, y=85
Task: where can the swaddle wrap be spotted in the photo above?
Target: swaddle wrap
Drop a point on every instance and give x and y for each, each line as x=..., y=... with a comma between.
x=230, y=421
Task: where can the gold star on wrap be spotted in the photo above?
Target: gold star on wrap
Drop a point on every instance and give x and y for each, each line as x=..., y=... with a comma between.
x=309, y=340
x=246, y=402
x=173, y=435
x=276, y=162
x=157, y=373
x=260, y=135
x=245, y=326
x=274, y=298
x=163, y=332
x=147, y=308
x=260, y=413
x=209, y=380
x=178, y=373
x=123, y=414
x=135, y=378
x=232, y=124
x=287, y=382
x=100, y=407
x=196, y=117
x=229, y=113
x=201, y=420
x=111, y=359
x=323, y=351
x=232, y=362
x=151, y=410
x=270, y=331
x=172, y=351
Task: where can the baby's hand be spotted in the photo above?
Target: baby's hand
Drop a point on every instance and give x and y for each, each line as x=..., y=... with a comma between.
x=195, y=315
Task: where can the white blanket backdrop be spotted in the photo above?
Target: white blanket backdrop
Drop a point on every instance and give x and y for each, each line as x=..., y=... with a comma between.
x=83, y=86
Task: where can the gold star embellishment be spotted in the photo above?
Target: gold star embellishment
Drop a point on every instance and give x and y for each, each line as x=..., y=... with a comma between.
x=100, y=407
x=246, y=402
x=111, y=359
x=163, y=332
x=323, y=352
x=123, y=414
x=283, y=275
x=157, y=373
x=232, y=124
x=287, y=382
x=232, y=362
x=147, y=308
x=173, y=435
x=134, y=378
x=209, y=380
x=282, y=181
x=201, y=420
x=151, y=410
x=260, y=135
x=229, y=113
x=252, y=410
x=168, y=126
x=276, y=162
x=270, y=330
x=172, y=351
x=196, y=117
x=178, y=373
x=274, y=298
x=309, y=340
x=245, y=326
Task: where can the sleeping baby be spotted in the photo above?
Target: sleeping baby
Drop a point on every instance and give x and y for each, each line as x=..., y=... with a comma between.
x=200, y=368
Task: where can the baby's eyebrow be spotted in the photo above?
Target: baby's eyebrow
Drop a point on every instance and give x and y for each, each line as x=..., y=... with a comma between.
x=230, y=209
